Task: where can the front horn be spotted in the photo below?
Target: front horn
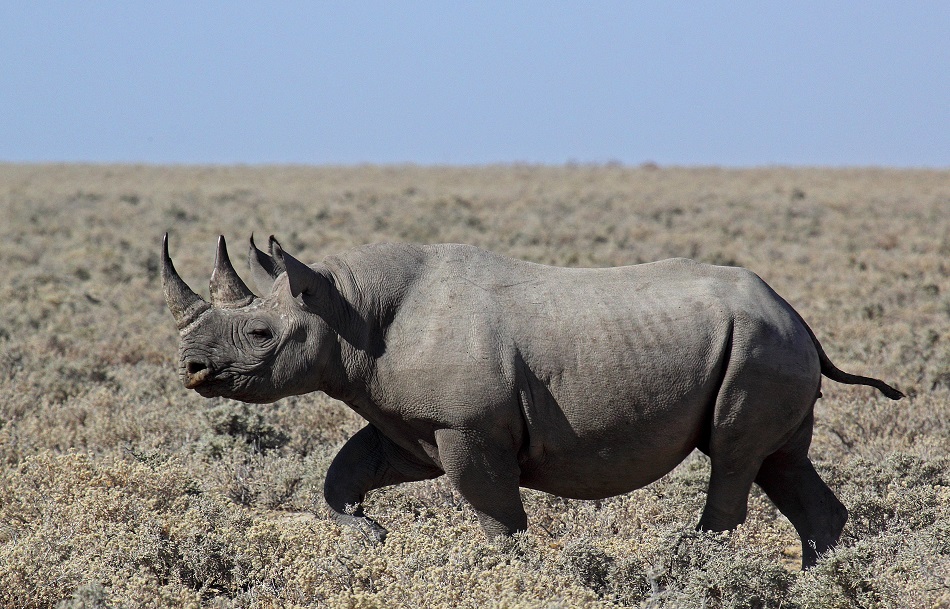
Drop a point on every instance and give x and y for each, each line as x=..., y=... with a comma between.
x=184, y=304
x=227, y=289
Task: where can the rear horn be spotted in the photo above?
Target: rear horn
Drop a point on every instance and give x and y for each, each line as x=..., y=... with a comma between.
x=228, y=291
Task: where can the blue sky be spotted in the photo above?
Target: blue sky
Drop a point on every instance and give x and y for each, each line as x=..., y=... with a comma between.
x=685, y=83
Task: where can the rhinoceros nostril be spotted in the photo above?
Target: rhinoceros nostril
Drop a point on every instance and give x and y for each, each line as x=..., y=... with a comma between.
x=196, y=373
x=195, y=366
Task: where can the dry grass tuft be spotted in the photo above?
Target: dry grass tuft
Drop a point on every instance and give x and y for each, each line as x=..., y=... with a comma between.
x=119, y=488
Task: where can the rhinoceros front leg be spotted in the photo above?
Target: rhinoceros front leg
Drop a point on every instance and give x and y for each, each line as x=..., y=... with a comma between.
x=369, y=460
x=486, y=472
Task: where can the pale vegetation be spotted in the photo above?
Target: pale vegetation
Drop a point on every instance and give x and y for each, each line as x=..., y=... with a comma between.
x=119, y=488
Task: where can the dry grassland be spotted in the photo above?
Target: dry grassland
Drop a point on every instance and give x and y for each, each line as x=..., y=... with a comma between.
x=119, y=488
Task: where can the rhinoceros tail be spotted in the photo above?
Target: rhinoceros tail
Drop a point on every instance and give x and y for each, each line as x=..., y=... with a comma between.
x=836, y=374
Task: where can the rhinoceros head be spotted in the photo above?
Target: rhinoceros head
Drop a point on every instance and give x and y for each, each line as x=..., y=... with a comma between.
x=244, y=347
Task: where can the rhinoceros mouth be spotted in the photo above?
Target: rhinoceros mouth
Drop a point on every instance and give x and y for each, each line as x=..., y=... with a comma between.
x=206, y=391
x=212, y=386
x=194, y=380
x=218, y=390
x=210, y=383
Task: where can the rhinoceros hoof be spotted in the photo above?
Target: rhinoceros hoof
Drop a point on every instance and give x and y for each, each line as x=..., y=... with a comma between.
x=374, y=532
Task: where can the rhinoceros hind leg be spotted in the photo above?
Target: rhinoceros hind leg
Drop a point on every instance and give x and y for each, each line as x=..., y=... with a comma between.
x=764, y=405
x=791, y=482
x=738, y=443
x=728, y=496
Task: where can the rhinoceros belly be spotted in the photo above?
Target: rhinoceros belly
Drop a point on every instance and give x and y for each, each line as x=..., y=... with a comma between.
x=612, y=401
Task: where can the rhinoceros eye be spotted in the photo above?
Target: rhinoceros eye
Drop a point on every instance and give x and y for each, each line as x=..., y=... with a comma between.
x=260, y=333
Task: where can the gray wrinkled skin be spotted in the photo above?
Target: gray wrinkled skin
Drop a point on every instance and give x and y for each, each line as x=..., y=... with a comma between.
x=499, y=373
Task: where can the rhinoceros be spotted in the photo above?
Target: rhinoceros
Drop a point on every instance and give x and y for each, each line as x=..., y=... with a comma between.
x=581, y=382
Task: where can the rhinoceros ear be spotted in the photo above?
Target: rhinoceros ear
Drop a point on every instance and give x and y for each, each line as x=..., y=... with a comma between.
x=302, y=279
x=263, y=269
